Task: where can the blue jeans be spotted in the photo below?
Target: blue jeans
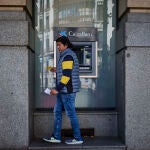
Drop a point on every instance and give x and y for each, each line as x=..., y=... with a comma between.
x=66, y=101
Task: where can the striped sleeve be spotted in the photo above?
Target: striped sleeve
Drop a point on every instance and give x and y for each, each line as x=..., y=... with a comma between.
x=67, y=65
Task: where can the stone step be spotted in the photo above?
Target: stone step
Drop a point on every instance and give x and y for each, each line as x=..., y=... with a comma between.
x=104, y=123
x=95, y=143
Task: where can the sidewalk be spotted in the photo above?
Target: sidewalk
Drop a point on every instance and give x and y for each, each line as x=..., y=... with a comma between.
x=96, y=143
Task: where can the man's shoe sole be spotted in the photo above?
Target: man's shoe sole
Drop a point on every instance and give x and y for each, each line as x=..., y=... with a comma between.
x=79, y=142
x=51, y=141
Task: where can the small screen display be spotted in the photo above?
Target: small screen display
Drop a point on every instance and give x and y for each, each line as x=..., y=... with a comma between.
x=84, y=54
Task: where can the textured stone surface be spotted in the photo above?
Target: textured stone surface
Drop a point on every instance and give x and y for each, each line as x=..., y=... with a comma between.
x=124, y=5
x=19, y=3
x=133, y=30
x=133, y=84
x=14, y=2
x=12, y=15
x=120, y=90
x=137, y=34
x=14, y=96
x=137, y=96
x=139, y=17
x=13, y=33
x=138, y=3
x=16, y=78
x=104, y=124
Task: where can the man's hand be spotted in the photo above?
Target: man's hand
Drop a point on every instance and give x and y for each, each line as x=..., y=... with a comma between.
x=53, y=69
x=53, y=92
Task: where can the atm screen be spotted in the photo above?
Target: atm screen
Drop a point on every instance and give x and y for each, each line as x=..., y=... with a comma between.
x=83, y=51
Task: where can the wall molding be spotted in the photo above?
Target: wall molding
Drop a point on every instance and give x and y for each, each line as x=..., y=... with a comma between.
x=137, y=6
x=16, y=5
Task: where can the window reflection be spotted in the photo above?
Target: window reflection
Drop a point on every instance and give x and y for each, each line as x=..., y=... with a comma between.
x=95, y=93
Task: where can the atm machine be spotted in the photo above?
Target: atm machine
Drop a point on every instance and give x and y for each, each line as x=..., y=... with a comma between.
x=87, y=56
x=84, y=45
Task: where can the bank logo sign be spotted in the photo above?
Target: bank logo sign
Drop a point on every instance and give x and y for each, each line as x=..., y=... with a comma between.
x=80, y=34
x=76, y=34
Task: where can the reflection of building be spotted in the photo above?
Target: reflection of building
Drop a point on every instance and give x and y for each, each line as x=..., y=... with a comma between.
x=66, y=13
x=85, y=13
x=72, y=13
x=45, y=30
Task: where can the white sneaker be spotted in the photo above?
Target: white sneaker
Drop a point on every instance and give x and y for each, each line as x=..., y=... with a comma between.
x=51, y=140
x=74, y=141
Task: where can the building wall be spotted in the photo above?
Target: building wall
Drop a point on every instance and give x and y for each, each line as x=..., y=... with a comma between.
x=16, y=75
x=133, y=74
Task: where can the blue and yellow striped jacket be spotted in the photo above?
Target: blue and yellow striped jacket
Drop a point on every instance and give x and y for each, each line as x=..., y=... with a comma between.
x=67, y=73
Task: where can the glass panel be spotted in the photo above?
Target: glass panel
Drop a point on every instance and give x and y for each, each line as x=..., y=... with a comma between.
x=96, y=92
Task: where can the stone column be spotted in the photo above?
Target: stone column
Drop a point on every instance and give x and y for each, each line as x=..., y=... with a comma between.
x=16, y=73
x=133, y=73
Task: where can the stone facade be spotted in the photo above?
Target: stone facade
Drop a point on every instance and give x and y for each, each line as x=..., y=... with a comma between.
x=103, y=123
x=133, y=73
x=17, y=76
